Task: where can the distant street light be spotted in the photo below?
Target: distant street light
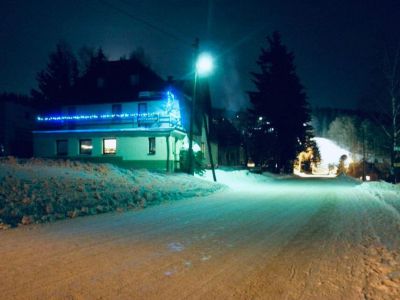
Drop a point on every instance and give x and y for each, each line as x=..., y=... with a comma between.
x=204, y=66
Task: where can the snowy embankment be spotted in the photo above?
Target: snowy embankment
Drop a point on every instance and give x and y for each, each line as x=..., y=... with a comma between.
x=36, y=190
x=242, y=180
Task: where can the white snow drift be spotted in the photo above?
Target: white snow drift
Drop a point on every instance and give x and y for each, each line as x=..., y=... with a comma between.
x=39, y=190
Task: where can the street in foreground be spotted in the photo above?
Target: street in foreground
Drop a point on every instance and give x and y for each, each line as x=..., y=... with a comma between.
x=288, y=239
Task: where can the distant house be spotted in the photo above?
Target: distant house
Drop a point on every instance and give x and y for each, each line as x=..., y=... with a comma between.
x=226, y=132
x=17, y=118
x=122, y=113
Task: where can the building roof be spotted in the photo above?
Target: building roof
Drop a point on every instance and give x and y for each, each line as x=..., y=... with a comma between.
x=116, y=81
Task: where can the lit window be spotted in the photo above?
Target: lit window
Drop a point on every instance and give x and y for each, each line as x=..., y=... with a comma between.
x=85, y=147
x=152, y=145
x=109, y=146
x=62, y=147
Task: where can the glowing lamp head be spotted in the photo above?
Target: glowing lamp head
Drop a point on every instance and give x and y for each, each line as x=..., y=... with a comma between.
x=204, y=64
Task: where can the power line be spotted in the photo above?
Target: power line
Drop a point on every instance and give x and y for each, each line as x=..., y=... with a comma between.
x=147, y=23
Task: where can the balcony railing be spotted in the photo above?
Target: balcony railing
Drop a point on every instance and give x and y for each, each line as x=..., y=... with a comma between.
x=96, y=120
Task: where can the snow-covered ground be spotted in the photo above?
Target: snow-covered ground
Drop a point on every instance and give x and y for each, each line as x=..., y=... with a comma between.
x=39, y=190
x=239, y=179
x=263, y=238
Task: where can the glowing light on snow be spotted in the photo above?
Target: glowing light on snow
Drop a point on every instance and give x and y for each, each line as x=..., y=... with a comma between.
x=330, y=154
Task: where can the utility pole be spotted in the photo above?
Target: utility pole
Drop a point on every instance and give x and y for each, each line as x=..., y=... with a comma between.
x=363, y=149
x=206, y=127
x=192, y=109
x=199, y=68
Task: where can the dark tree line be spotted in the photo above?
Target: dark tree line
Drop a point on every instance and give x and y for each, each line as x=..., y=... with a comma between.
x=58, y=81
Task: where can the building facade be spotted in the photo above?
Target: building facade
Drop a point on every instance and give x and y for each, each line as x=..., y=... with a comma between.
x=143, y=133
x=16, y=122
x=122, y=112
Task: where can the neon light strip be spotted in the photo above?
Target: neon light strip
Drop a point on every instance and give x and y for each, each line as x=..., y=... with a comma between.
x=61, y=118
x=92, y=117
x=140, y=129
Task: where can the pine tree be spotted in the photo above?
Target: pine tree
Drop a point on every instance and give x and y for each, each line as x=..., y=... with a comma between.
x=90, y=59
x=57, y=80
x=280, y=102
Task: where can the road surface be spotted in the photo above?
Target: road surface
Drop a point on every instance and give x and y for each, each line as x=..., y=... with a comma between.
x=289, y=239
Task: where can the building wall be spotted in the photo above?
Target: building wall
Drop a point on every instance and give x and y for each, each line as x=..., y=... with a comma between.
x=16, y=123
x=202, y=141
x=131, y=151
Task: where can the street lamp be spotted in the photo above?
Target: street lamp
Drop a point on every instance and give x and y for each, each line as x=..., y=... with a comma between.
x=203, y=67
x=204, y=64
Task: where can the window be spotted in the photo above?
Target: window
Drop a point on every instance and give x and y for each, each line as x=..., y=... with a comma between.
x=100, y=82
x=62, y=147
x=142, y=108
x=109, y=146
x=134, y=79
x=116, y=109
x=71, y=110
x=85, y=147
x=152, y=146
x=203, y=147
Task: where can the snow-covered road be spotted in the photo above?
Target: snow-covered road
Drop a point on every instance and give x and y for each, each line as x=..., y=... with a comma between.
x=285, y=239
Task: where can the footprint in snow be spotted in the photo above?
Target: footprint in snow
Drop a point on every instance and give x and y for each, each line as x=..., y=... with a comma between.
x=175, y=247
x=169, y=273
x=188, y=264
x=205, y=257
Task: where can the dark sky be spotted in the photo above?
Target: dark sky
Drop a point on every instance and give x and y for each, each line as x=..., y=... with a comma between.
x=333, y=41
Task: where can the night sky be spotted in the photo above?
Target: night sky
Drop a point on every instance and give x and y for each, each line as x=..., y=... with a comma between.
x=334, y=41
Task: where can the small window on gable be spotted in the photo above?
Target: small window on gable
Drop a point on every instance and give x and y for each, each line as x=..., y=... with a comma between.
x=142, y=108
x=100, y=82
x=62, y=147
x=152, y=145
x=134, y=79
x=109, y=146
x=85, y=147
x=116, y=109
x=71, y=110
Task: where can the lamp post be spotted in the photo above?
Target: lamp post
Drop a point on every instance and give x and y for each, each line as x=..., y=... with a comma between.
x=203, y=67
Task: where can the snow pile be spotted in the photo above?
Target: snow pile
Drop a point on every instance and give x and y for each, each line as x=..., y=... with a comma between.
x=380, y=186
x=239, y=179
x=37, y=190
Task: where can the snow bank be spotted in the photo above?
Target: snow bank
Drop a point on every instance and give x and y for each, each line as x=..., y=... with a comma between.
x=381, y=186
x=37, y=190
